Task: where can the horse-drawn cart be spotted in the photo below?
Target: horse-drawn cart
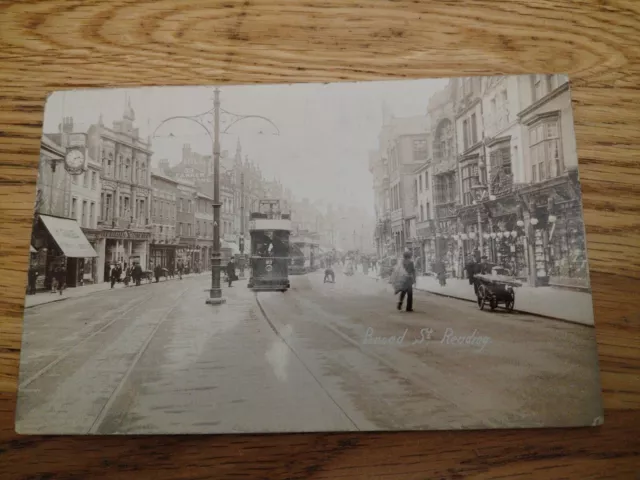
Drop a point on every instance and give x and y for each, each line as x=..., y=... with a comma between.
x=494, y=290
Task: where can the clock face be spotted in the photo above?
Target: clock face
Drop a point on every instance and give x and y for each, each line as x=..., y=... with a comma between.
x=74, y=160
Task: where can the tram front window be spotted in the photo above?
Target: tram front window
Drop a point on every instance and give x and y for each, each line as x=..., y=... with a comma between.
x=270, y=244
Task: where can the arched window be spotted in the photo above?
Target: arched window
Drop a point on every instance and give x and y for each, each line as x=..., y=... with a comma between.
x=443, y=144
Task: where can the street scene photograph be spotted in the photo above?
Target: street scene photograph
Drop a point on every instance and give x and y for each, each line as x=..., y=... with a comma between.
x=370, y=256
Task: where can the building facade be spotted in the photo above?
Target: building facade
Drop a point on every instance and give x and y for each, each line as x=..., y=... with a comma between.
x=441, y=110
x=164, y=239
x=62, y=202
x=501, y=178
x=204, y=229
x=125, y=197
x=425, y=244
x=86, y=189
x=188, y=252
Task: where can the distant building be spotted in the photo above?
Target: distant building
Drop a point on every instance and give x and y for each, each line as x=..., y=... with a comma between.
x=186, y=198
x=406, y=150
x=204, y=228
x=164, y=240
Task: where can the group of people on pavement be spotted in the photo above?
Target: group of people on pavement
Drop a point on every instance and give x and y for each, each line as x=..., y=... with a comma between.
x=133, y=272
x=57, y=277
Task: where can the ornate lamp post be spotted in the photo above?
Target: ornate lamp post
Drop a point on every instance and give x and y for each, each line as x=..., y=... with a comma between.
x=215, y=292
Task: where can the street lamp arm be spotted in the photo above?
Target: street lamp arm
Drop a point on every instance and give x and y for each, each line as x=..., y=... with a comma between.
x=182, y=117
x=251, y=116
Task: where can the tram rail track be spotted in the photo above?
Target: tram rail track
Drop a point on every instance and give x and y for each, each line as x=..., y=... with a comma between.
x=28, y=381
x=104, y=411
x=417, y=382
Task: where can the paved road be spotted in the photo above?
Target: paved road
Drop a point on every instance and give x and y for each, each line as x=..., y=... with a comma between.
x=321, y=357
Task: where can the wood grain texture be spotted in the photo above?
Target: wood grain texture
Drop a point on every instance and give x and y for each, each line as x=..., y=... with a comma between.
x=63, y=44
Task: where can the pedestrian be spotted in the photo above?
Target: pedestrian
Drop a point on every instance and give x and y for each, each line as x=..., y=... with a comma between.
x=329, y=275
x=405, y=278
x=231, y=271
x=157, y=271
x=470, y=268
x=484, y=268
x=137, y=274
x=115, y=275
x=33, y=276
x=441, y=271
x=180, y=268
x=61, y=277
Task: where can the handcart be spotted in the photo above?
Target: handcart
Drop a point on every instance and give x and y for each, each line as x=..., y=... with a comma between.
x=494, y=290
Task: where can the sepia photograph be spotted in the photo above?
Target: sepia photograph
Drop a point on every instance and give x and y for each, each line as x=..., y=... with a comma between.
x=368, y=256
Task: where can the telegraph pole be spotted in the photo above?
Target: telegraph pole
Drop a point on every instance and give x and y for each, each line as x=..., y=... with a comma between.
x=215, y=294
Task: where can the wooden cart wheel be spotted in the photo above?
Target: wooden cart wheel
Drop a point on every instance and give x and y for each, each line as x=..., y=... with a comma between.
x=482, y=296
x=511, y=302
x=493, y=303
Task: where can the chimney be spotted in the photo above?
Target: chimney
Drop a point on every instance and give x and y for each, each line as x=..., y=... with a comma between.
x=186, y=153
x=66, y=126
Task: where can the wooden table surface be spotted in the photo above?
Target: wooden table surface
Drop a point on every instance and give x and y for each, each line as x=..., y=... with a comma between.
x=63, y=44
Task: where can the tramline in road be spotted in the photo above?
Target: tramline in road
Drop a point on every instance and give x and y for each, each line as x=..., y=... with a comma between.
x=321, y=357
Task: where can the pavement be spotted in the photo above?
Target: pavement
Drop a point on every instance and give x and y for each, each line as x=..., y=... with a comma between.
x=572, y=306
x=320, y=357
x=41, y=298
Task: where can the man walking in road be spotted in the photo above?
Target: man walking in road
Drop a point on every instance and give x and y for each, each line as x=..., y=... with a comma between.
x=407, y=282
x=231, y=271
x=180, y=268
x=115, y=274
x=137, y=274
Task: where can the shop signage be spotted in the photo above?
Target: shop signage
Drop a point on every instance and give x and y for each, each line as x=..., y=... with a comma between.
x=126, y=234
x=190, y=173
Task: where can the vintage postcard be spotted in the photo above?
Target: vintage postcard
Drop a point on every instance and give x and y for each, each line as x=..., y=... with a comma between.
x=373, y=256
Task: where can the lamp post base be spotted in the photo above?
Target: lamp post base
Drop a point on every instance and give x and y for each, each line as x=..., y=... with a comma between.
x=215, y=297
x=216, y=301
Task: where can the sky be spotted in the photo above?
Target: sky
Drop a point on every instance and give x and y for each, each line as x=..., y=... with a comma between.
x=319, y=147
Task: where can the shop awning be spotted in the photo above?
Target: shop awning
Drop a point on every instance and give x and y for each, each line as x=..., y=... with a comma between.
x=69, y=237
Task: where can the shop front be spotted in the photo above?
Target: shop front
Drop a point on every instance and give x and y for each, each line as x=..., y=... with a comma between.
x=163, y=254
x=90, y=273
x=188, y=253
x=58, y=242
x=446, y=247
x=427, y=244
x=536, y=232
x=552, y=216
x=125, y=247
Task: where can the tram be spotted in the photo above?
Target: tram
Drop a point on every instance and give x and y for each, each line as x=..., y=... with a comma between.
x=269, y=229
x=305, y=255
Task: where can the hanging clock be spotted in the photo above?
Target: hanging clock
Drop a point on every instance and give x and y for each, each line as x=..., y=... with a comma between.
x=74, y=161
